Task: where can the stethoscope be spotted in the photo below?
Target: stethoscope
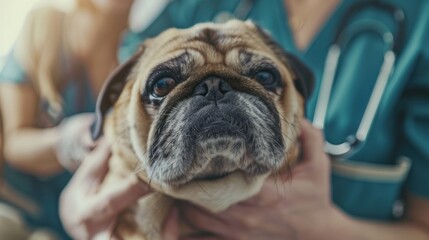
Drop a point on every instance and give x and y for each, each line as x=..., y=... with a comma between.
x=344, y=35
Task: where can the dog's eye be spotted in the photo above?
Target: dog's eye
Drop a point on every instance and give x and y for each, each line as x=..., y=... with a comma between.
x=265, y=78
x=163, y=86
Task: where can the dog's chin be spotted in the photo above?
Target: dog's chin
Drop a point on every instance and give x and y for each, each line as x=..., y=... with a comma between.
x=219, y=152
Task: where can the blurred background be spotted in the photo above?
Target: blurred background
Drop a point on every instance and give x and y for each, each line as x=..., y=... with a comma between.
x=12, y=15
x=13, y=12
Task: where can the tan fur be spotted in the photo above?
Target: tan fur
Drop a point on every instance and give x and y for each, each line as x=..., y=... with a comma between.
x=129, y=126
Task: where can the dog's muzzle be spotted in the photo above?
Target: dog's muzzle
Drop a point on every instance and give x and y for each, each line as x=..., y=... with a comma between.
x=214, y=132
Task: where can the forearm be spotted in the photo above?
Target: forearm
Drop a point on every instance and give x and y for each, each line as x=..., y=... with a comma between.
x=32, y=150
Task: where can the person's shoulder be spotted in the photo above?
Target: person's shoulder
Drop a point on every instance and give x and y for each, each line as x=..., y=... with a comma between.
x=41, y=29
x=44, y=21
x=50, y=10
x=43, y=17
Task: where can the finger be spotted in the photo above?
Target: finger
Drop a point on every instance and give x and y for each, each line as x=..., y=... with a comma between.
x=86, y=119
x=83, y=121
x=116, y=198
x=171, y=225
x=105, y=235
x=272, y=192
x=312, y=141
x=87, y=141
x=203, y=220
x=95, y=165
x=104, y=231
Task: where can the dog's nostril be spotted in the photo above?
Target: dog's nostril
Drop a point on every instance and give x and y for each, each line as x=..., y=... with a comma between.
x=212, y=88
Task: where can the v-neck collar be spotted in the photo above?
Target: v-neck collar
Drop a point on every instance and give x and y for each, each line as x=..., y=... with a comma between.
x=289, y=36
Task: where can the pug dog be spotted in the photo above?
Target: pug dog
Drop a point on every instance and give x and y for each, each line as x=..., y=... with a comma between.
x=204, y=115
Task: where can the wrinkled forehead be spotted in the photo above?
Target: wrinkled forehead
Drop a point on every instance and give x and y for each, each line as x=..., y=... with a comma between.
x=214, y=41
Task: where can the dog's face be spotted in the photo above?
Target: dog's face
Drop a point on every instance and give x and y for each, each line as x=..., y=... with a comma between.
x=204, y=103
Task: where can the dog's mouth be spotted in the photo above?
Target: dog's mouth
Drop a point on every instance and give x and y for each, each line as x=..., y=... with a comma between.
x=220, y=120
x=213, y=176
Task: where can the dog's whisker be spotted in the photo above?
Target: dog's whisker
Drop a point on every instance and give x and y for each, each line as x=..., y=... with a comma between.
x=293, y=123
x=138, y=169
x=150, y=183
x=276, y=183
x=139, y=166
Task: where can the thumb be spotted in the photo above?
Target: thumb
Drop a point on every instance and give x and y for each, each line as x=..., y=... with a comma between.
x=118, y=197
x=312, y=142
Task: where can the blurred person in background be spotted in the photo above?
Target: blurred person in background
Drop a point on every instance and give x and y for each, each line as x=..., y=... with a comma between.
x=378, y=192
x=48, y=85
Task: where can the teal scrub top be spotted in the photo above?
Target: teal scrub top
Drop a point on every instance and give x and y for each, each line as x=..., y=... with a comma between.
x=395, y=158
x=44, y=192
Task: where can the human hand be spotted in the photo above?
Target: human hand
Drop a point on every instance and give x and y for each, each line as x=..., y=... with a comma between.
x=288, y=207
x=75, y=140
x=88, y=213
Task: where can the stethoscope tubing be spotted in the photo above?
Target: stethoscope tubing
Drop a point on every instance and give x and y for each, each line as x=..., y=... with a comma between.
x=343, y=38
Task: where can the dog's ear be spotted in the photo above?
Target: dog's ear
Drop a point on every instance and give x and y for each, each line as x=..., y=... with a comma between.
x=111, y=90
x=304, y=81
x=304, y=78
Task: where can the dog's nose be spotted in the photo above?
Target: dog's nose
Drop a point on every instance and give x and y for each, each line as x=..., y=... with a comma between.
x=213, y=88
